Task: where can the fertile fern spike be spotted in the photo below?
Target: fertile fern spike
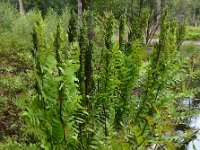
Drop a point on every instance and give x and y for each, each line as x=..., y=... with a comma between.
x=109, y=31
x=151, y=82
x=160, y=47
x=73, y=28
x=89, y=81
x=89, y=69
x=129, y=77
x=34, y=51
x=58, y=45
x=162, y=58
x=83, y=44
x=122, y=40
x=137, y=28
x=39, y=54
x=181, y=33
x=107, y=89
x=34, y=37
x=163, y=30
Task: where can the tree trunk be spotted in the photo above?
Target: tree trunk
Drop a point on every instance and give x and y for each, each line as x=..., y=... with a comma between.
x=80, y=10
x=194, y=16
x=21, y=8
x=89, y=53
x=158, y=12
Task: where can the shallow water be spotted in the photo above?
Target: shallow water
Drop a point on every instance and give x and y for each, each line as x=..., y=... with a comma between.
x=194, y=122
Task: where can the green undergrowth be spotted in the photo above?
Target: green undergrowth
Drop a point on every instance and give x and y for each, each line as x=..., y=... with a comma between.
x=16, y=66
x=193, y=33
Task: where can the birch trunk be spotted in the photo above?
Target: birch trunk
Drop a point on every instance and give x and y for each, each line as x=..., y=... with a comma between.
x=21, y=8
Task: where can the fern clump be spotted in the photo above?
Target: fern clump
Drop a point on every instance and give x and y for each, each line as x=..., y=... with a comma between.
x=49, y=116
x=95, y=89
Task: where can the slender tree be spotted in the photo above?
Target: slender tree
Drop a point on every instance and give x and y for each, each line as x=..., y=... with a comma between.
x=21, y=8
x=80, y=11
x=89, y=53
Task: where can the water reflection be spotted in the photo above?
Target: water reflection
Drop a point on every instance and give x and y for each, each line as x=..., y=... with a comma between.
x=194, y=122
